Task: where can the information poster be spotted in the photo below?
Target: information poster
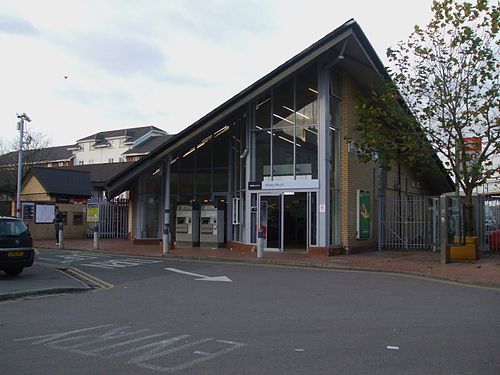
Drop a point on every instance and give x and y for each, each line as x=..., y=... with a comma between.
x=44, y=213
x=364, y=214
x=28, y=211
x=92, y=212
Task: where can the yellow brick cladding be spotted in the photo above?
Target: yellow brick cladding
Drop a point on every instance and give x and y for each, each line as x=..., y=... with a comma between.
x=354, y=174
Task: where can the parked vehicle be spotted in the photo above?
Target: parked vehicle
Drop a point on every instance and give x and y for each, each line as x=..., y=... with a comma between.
x=16, y=246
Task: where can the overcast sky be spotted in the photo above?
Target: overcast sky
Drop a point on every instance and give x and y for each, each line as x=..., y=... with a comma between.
x=162, y=63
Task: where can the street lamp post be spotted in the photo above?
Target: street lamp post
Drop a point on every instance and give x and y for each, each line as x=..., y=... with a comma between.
x=20, y=126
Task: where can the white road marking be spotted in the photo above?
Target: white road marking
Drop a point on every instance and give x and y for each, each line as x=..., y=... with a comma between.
x=202, y=277
x=120, y=263
x=88, y=341
x=392, y=347
x=99, y=261
x=127, y=343
x=156, y=345
x=54, y=336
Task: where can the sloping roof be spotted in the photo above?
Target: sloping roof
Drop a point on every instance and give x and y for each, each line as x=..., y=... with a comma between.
x=59, y=181
x=100, y=173
x=148, y=146
x=350, y=28
x=332, y=44
x=43, y=155
x=131, y=133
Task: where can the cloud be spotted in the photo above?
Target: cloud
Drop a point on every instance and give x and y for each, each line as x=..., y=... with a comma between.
x=126, y=56
x=220, y=21
x=15, y=25
x=123, y=56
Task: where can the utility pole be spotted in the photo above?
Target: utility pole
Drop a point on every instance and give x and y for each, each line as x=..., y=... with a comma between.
x=20, y=126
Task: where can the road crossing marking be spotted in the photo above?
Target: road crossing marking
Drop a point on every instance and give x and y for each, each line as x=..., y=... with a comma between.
x=120, y=263
x=98, y=261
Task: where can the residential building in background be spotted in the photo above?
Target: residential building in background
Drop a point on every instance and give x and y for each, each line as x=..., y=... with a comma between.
x=58, y=156
x=108, y=146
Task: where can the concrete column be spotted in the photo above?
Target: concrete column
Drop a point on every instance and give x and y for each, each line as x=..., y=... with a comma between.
x=323, y=155
x=166, y=237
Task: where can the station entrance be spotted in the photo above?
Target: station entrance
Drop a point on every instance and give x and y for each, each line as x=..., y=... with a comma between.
x=287, y=220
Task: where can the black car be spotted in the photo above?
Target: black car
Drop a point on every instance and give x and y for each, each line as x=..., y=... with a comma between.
x=16, y=246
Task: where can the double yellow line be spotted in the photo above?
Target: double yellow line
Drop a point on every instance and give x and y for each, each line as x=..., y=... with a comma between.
x=88, y=279
x=95, y=282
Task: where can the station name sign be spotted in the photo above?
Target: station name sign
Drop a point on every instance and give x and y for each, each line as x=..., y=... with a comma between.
x=284, y=184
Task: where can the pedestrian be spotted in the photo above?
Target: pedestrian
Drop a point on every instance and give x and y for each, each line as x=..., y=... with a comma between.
x=58, y=219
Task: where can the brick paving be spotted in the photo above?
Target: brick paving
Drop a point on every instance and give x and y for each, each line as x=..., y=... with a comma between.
x=485, y=271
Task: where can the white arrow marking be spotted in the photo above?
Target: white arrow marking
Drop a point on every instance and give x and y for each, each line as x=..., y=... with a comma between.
x=202, y=277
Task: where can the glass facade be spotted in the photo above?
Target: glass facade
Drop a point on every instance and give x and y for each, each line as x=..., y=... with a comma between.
x=211, y=165
x=283, y=125
x=285, y=135
x=149, y=204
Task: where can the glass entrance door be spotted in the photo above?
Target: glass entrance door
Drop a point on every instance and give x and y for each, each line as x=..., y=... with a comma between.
x=287, y=221
x=295, y=222
x=270, y=221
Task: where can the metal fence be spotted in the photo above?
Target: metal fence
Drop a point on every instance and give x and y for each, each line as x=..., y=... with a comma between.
x=113, y=219
x=410, y=223
x=488, y=222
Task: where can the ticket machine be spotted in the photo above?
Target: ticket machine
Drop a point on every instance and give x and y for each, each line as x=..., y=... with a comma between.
x=187, y=229
x=212, y=226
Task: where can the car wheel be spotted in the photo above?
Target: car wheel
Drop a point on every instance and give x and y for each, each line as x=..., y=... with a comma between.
x=14, y=271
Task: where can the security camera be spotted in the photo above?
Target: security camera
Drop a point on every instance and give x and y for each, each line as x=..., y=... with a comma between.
x=24, y=116
x=244, y=154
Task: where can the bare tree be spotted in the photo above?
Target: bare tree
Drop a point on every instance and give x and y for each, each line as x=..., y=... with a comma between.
x=34, y=150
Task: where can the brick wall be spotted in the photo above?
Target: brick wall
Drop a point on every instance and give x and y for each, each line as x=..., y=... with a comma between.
x=71, y=229
x=354, y=174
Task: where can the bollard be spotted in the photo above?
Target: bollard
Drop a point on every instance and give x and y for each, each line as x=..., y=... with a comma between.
x=61, y=237
x=96, y=238
x=260, y=246
x=166, y=243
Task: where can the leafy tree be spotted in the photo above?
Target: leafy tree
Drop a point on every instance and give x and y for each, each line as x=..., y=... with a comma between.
x=444, y=91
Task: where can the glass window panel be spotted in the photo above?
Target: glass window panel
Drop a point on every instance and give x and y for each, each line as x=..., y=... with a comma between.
x=263, y=112
x=204, y=154
x=187, y=159
x=307, y=96
x=149, y=198
x=283, y=107
x=174, y=182
x=283, y=142
x=262, y=154
x=220, y=180
x=237, y=170
x=203, y=181
x=314, y=209
x=306, y=148
x=221, y=147
x=150, y=216
x=153, y=181
x=186, y=182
